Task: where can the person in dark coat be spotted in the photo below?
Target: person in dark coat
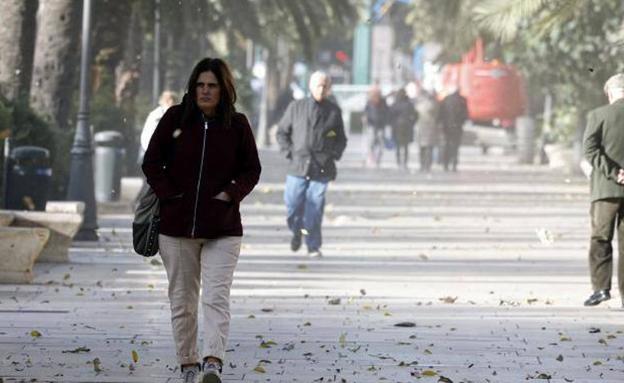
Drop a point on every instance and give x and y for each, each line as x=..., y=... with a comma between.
x=453, y=114
x=403, y=116
x=376, y=119
x=201, y=162
x=603, y=146
x=311, y=136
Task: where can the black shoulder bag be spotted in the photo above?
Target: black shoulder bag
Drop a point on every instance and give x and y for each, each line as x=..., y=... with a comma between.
x=146, y=224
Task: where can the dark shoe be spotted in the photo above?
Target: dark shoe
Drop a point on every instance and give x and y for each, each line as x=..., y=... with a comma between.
x=295, y=242
x=597, y=298
x=211, y=372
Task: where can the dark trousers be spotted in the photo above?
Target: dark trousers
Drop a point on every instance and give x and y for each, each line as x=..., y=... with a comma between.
x=451, y=150
x=402, y=155
x=606, y=215
x=426, y=157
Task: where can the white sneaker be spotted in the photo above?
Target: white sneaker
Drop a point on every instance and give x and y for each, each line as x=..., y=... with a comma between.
x=315, y=253
x=191, y=374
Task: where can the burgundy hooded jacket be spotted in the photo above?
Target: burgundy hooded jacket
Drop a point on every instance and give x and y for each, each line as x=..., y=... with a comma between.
x=187, y=166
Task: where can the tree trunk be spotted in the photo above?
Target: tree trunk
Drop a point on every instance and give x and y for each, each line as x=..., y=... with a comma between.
x=127, y=79
x=17, y=43
x=55, y=63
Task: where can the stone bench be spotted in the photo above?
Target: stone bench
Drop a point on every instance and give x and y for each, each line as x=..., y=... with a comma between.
x=63, y=219
x=19, y=249
x=6, y=218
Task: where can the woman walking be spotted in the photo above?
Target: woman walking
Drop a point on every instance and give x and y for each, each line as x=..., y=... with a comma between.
x=201, y=162
x=403, y=117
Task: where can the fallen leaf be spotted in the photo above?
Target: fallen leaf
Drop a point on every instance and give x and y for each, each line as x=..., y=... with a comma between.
x=97, y=365
x=334, y=301
x=444, y=379
x=35, y=334
x=259, y=369
x=448, y=300
x=77, y=350
x=545, y=236
x=342, y=339
x=405, y=324
x=135, y=356
x=429, y=373
x=267, y=344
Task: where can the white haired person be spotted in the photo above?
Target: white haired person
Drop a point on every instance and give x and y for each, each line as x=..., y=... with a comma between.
x=311, y=136
x=603, y=146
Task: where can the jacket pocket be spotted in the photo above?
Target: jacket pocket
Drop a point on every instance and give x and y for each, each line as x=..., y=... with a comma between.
x=221, y=214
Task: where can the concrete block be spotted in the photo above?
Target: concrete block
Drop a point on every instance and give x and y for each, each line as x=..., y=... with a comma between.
x=76, y=207
x=19, y=249
x=6, y=218
x=63, y=227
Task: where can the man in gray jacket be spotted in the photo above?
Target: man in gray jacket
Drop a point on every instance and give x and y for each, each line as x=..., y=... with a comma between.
x=311, y=136
x=603, y=144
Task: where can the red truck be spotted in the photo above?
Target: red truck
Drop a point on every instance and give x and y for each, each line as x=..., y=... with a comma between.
x=495, y=95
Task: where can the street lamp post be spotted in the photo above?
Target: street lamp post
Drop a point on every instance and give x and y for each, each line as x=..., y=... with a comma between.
x=156, y=73
x=81, y=186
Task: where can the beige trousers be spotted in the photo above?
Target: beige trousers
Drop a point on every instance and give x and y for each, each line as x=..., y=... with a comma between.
x=191, y=263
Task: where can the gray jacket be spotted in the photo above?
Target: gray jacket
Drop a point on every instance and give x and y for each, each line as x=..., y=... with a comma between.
x=311, y=135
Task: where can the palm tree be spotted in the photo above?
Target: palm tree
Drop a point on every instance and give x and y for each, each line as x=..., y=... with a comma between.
x=17, y=42
x=503, y=18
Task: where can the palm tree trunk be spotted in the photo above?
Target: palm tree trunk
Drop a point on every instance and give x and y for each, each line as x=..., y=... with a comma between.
x=17, y=43
x=127, y=76
x=55, y=62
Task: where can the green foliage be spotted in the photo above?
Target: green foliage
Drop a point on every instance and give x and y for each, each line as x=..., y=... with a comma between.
x=447, y=22
x=105, y=114
x=572, y=60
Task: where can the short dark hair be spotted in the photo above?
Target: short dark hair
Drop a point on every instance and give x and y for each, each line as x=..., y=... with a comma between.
x=226, y=108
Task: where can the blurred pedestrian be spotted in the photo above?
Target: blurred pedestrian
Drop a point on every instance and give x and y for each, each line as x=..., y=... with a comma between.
x=311, y=135
x=376, y=119
x=201, y=162
x=403, y=116
x=428, y=128
x=603, y=145
x=453, y=114
x=167, y=99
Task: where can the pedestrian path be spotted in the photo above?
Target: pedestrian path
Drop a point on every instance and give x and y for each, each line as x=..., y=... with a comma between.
x=475, y=276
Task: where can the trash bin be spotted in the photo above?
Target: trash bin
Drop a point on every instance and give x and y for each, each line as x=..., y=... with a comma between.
x=109, y=156
x=28, y=178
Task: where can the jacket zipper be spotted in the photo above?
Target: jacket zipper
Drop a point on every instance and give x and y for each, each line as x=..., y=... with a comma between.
x=201, y=168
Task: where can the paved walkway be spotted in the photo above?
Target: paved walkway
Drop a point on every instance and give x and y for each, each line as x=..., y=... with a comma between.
x=476, y=276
